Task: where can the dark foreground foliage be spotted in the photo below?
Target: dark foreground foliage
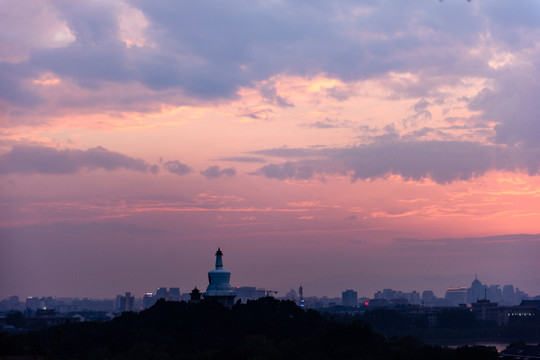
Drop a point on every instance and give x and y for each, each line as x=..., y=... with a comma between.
x=262, y=329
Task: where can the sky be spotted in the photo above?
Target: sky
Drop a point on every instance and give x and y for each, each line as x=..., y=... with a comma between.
x=334, y=144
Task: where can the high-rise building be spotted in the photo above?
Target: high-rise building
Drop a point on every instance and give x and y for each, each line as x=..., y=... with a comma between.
x=509, y=295
x=149, y=300
x=127, y=302
x=428, y=297
x=349, y=298
x=494, y=293
x=33, y=303
x=476, y=292
x=386, y=294
x=174, y=294
x=456, y=295
x=161, y=293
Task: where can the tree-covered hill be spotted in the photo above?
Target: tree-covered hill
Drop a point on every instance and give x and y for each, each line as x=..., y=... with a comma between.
x=262, y=329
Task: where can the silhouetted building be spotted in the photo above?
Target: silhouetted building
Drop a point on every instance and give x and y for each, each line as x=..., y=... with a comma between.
x=195, y=295
x=149, y=300
x=508, y=295
x=476, y=292
x=291, y=295
x=349, y=298
x=32, y=303
x=219, y=288
x=245, y=293
x=11, y=303
x=301, y=300
x=390, y=295
x=456, y=295
x=428, y=297
x=488, y=311
x=386, y=294
x=378, y=302
x=161, y=293
x=127, y=302
x=494, y=293
x=527, y=309
x=174, y=294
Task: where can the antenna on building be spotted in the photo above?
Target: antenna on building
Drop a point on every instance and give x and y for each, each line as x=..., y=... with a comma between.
x=301, y=294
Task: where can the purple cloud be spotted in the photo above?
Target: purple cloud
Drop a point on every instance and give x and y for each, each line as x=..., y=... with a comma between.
x=288, y=170
x=215, y=172
x=513, y=104
x=441, y=161
x=210, y=50
x=269, y=92
x=244, y=159
x=44, y=160
x=176, y=167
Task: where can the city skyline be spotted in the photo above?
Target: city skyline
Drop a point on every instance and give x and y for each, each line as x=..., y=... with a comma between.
x=381, y=292
x=337, y=145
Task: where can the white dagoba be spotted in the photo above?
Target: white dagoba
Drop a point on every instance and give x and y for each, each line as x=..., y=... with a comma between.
x=219, y=287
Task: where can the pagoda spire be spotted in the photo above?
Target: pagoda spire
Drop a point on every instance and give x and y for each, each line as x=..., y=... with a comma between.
x=219, y=259
x=219, y=287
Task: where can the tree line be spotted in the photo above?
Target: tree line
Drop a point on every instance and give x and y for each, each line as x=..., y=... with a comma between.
x=263, y=329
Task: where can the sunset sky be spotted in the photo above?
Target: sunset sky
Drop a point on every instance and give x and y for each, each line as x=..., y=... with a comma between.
x=338, y=144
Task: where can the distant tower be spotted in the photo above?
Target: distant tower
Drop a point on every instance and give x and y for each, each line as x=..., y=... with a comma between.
x=301, y=302
x=127, y=302
x=162, y=293
x=476, y=291
x=349, y=298
x=148, y=300
x=219, y=288
x=174, y=294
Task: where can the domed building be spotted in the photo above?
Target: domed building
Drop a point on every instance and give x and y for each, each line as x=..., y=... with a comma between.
x=476, y=292
x=219, y=288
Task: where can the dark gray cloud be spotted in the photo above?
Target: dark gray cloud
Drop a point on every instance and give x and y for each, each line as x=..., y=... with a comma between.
x=441, y=161
x=216, y=172
x=176, y=167
x=45, y=160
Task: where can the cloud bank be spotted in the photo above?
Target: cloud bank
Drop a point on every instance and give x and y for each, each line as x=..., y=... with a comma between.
x=208, y=51
x=44, y=160
x=441, y=161
x=203, y=52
